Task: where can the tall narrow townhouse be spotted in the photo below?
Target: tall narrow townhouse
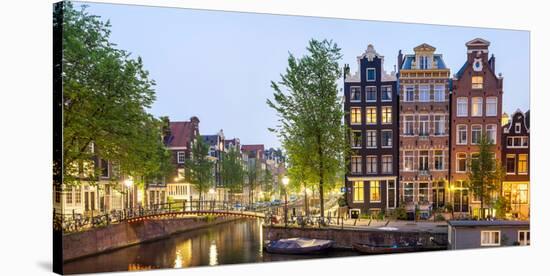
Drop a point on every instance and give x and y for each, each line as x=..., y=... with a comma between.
x=477, y=107
x=371, y=104
x=423, y=130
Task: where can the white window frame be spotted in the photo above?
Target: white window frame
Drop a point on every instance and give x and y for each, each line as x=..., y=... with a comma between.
x=353, y=146
x=462, y=102
x=180, y=154
x=382, y=115
x=379, y=191
x=405, y=121
x=526, y=241
x=350, y=93
x=359, y=169
x=425, y=125
x=409, y=88
x=421, y=159
x=367, y=115
x=517, y=128
x=388, y=193
x=390, y=164
x=362, y=192
x=491, y=238
x=382, y=138
x=493, y=135
x=490, y=103
x=351, y=115
x=442, y=160
x=515, y=163
x=477, y=101
x=426, y=89
x=367, y=94
x=367, y=140
x=367, y=76
x=405, y=189
x=382, y=93
x=441, y=123
x=472, y=130
x=458, y=162
x=406, y=155
x=439, y=93
x=375, y=158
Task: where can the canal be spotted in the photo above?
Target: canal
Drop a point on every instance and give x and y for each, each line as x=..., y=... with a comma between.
x=229, y=243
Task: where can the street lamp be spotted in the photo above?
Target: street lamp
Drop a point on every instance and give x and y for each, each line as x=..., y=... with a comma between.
x=285, y=183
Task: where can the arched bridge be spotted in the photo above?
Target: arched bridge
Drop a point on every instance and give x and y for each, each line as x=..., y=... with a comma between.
x=223, y=213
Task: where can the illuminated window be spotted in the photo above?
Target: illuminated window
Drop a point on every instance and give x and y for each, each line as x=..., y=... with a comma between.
x=462, y=107
x=371, y=115
x=358, y=191
x=477, y=82
x=490, y=238
x=386, y=115
x=477, y=106
x=371, y=93
x=355, y=115
x=356, y=164
x=355, y=94
x=69, y=196
x=374, y=191
x=522, y=164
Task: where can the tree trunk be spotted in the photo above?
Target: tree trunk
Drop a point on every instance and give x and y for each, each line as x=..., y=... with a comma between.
x=321, y=174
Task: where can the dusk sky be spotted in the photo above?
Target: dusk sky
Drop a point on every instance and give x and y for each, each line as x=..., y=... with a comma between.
x=218, y=65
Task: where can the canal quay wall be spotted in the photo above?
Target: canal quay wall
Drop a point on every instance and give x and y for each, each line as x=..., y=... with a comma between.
x=344, y=238
x=116, y=236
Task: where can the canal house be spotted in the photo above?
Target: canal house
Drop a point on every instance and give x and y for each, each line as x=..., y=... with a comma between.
x=371, y=107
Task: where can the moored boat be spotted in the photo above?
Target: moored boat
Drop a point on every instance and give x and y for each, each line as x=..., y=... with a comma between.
x=365, y=248
x=298, y=246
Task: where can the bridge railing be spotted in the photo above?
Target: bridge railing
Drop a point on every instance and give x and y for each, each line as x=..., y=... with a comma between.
x=75, y=222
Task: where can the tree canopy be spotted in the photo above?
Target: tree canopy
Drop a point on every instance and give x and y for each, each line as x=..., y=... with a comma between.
x=106, y=94
x=310, y=113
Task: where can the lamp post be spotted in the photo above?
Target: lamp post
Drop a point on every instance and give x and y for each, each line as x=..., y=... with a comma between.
x=129, y=182
x=285, y=183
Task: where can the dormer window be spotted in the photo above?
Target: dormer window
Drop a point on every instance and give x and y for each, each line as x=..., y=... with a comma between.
x=518, y=128
x=424, y=62
x=181, y=157
x=371, y=74
x=477, y=82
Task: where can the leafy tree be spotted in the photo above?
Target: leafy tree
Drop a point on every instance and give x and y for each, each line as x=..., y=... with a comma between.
x=483, y=173
x=106, y=93
x=200, y=167
x=267, y=182
x=310, y=110
x=232, y=171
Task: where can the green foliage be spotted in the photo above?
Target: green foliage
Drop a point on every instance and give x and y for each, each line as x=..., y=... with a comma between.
x=485, y=173
x=106, y=93
x=311, y=128
x=501, y=206
x=200, y=166
x=232, y=171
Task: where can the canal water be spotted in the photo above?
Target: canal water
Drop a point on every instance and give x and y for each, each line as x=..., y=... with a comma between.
x=229, y=243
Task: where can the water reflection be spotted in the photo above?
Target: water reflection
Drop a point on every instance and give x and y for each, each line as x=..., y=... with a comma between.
x=229, y=243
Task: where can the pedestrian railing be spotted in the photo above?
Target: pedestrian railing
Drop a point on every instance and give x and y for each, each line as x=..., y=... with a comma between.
x=75, y=222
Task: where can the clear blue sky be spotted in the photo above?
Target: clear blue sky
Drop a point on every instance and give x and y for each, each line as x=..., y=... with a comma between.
x=218, y=65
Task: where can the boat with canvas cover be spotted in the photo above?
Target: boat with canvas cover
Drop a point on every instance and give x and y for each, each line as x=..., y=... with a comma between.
x=298, y=246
